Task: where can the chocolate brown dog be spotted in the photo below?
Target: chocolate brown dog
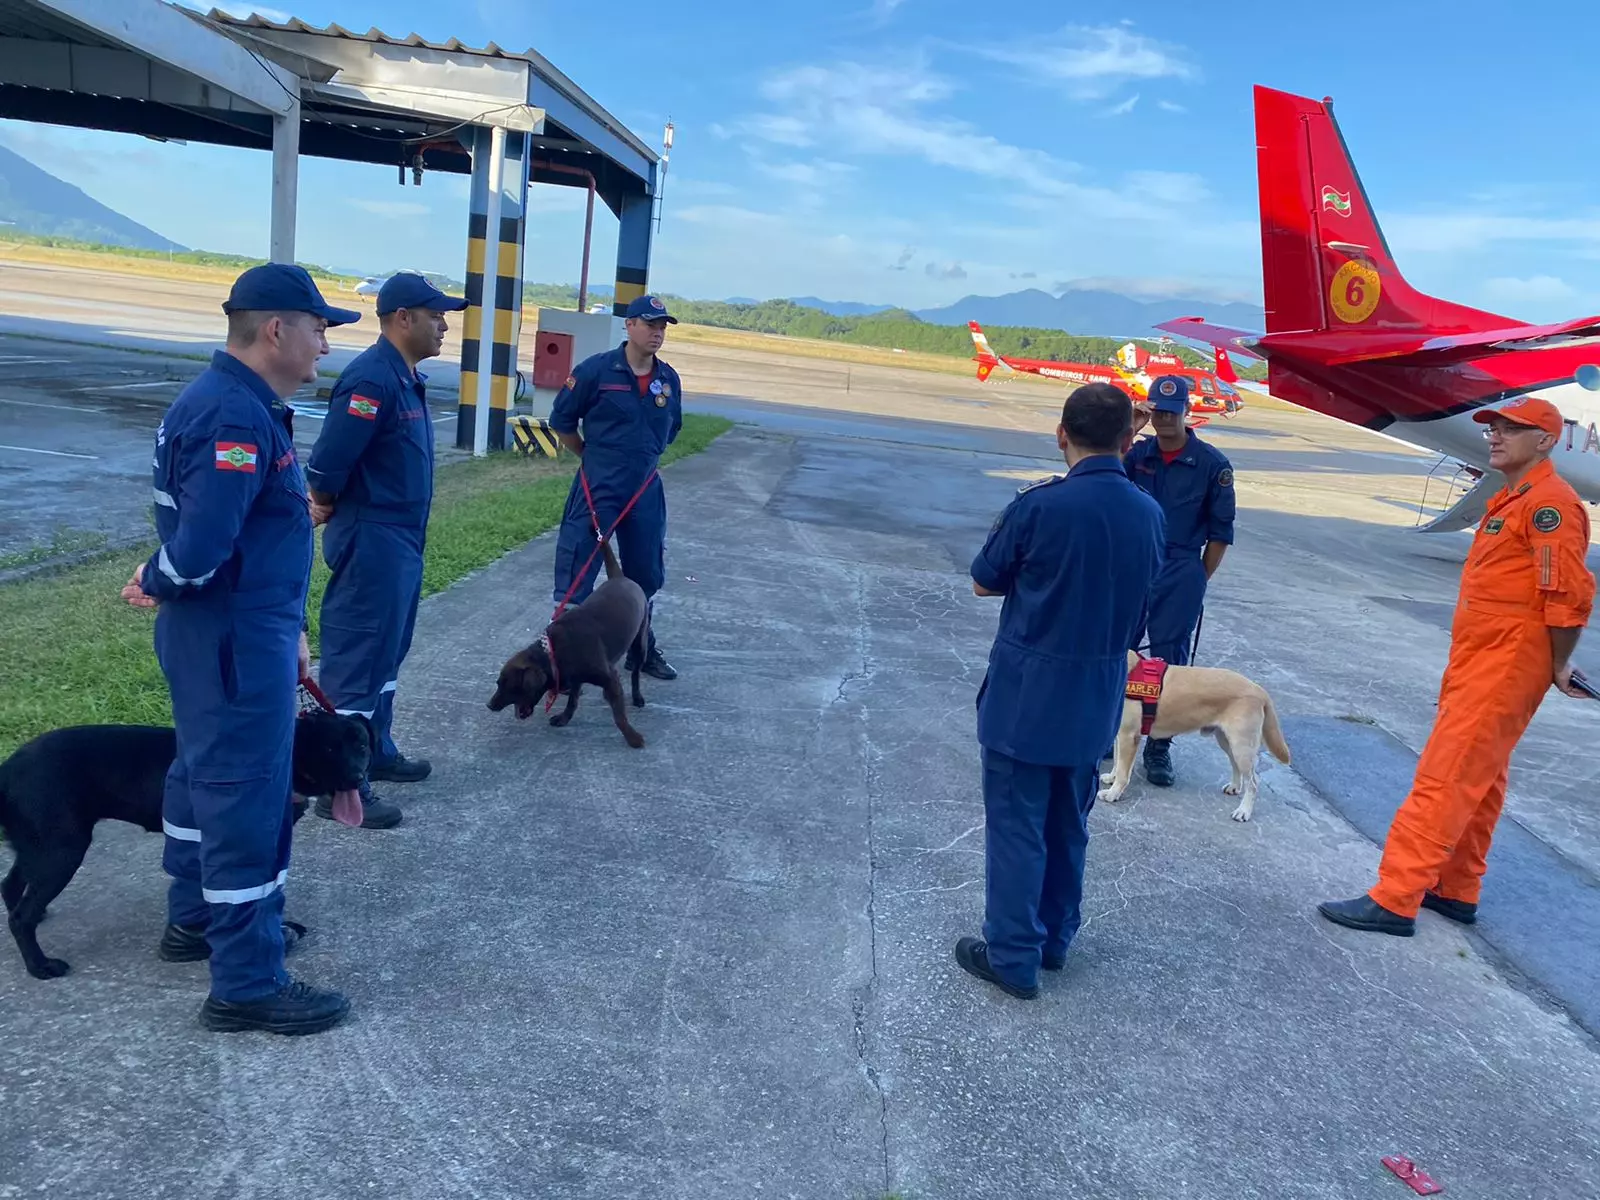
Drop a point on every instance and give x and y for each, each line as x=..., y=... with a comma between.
x=583, y=645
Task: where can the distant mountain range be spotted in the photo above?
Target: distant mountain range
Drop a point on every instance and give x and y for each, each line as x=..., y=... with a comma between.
x=1084, y=311
x=35, y=201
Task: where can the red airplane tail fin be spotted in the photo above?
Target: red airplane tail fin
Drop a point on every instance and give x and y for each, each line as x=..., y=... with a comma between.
x=1325, y=262
x=986, y=358
x=1224, y=368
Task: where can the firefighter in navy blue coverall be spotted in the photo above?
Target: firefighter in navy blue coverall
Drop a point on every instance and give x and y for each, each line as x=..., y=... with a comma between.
x=371, y=480
x=1075, y=557
x=229, y=583
x=1193, y=482
x=631, y=405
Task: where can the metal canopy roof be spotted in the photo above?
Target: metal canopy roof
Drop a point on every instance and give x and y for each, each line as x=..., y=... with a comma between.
x=367, y=97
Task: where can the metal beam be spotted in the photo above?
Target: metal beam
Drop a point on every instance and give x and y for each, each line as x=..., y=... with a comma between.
x=497, y=166
x=167, y=34
x=285, y=184
x=100, y=71
x=439, y=106
x=616, y=144
x=411, y=79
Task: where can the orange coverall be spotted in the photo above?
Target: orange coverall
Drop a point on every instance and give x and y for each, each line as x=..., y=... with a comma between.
x=1525, y=571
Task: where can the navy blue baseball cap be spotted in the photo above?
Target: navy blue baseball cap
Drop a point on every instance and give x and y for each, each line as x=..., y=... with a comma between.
x=651, y=309
x=407, y=289
x=283, y=287
x=1170, y=393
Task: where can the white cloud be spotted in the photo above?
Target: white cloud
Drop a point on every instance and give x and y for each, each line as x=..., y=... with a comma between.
x=1169, y=106
x=1123, y=109
x=882, y=110
x=1539, y=289
x=1031, y=214
x=1090, y=62
x=392, y=208
x=819, y=173
x=1466, y=232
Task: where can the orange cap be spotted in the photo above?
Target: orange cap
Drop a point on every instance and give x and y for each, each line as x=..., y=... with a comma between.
x=1524, y=410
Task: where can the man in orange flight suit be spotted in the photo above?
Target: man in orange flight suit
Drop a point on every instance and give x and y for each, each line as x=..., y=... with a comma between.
x=1526, y=595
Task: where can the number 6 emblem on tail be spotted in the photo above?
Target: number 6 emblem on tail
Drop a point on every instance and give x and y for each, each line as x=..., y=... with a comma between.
x=1354, y=292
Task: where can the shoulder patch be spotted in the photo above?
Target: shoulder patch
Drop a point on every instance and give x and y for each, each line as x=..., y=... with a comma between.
x=572, y=381
x=1225, y=477
x=1028, y=487
x=1547, y=519
x=364, y=406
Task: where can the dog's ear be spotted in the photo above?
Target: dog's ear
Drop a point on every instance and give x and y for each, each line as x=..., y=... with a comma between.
x=368, y=730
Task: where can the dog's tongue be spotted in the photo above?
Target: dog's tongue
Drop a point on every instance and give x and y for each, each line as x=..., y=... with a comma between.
x=347, y=807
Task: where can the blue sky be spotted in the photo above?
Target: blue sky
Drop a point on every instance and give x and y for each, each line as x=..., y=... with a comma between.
x=914, y=151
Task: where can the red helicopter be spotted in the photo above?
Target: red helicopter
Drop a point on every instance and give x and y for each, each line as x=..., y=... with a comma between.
x=1132, y=369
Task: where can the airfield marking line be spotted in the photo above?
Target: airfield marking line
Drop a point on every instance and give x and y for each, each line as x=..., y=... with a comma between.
x=53, y=407
x=122, y=387
x=57, y=453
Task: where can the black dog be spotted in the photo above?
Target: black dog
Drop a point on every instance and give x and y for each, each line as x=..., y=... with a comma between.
x=56, y=788
x=583, y=645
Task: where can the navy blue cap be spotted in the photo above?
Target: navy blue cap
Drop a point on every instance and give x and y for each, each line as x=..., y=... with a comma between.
x=407, y=289
x=651, y=309
x=283, y=287
x=1170, y=393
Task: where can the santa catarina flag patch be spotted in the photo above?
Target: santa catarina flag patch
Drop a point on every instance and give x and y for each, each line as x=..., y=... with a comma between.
x=236, y=456
x=364, y=406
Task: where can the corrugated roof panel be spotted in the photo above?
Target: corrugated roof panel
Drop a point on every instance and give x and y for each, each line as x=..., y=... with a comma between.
x=295, y=25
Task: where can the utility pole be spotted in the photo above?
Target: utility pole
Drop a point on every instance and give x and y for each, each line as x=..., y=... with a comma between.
x=666, y=155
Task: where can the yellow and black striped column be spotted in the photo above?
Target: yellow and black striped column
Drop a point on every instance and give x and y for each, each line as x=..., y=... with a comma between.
x=633, y=252
x=493, y=262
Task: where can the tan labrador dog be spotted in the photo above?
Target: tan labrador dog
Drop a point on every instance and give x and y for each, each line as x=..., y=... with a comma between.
x=1235, y=710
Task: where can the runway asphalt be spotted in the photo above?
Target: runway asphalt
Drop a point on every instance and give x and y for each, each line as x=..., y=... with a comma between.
x=721, y=966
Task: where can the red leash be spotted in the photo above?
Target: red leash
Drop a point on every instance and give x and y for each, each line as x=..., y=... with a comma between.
x=316, y=693
x=600, y=539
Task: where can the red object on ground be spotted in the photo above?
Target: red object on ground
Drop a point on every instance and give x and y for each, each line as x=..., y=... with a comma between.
x=1413, y=1175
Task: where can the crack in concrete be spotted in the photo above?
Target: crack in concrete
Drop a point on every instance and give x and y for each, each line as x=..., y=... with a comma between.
x=870, y=754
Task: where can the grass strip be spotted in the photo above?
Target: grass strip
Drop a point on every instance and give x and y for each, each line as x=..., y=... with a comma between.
x=75, y=653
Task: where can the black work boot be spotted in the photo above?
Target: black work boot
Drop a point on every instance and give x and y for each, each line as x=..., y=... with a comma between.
x=655, y=665
x=973, y=955
x=296, y=1008
x=401, y=770
x=1366, y=914
x=376, y=812
x=1158, y=762
x=1462, y=911
x=187, y=943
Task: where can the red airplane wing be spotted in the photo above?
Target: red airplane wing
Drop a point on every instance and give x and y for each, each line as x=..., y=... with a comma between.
x=1223, y=337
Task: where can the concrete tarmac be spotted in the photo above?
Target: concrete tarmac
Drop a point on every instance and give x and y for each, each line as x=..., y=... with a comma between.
x=721, y=966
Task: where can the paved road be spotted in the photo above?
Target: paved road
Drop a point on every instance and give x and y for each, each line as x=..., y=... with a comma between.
x=721, y=966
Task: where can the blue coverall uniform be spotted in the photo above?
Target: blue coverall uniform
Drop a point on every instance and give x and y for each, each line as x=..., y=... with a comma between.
x=1075, y=557
x=1196, y=494
x=231, y=576
x=375, y=455
x=628, y=422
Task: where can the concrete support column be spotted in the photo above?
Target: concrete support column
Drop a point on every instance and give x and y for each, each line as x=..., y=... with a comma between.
x=285, y=183
x=633, y=251
x=493, y=318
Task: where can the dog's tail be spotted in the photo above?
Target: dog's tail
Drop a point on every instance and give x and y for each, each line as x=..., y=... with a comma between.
x=1271, y=732
x=613, y=567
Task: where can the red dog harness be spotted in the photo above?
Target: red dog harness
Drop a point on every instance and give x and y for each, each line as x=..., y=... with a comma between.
x=1144, y=685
